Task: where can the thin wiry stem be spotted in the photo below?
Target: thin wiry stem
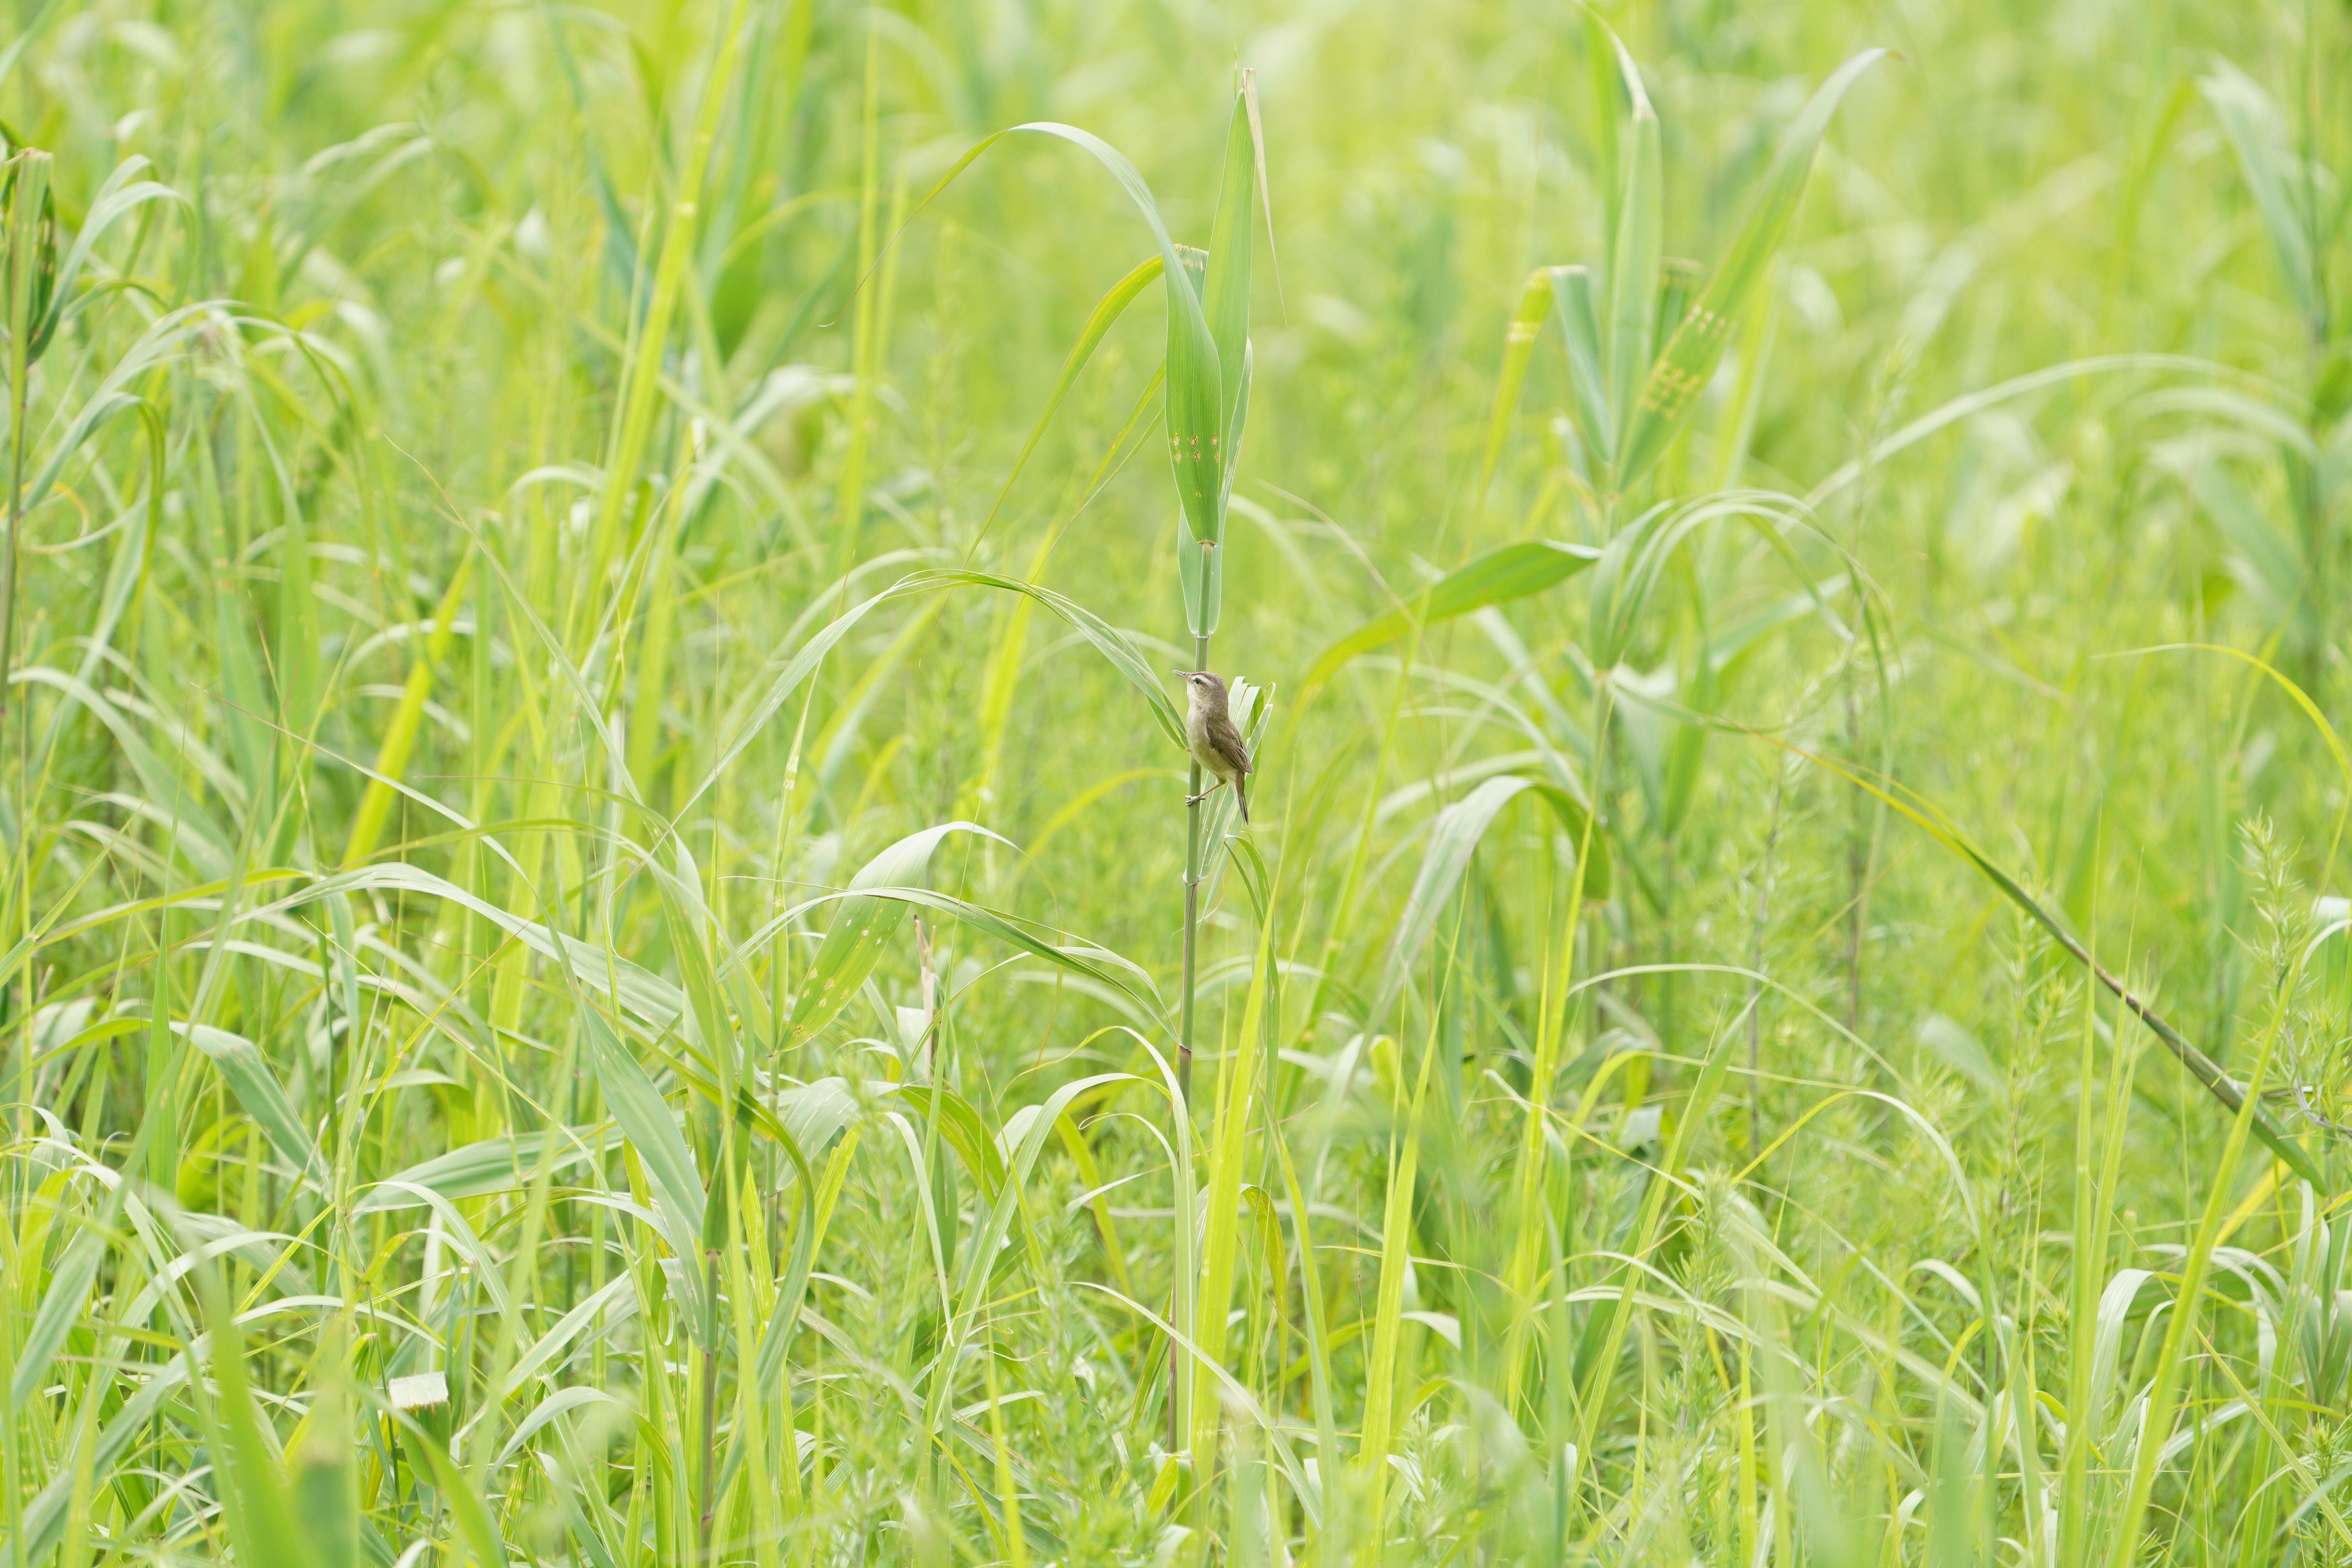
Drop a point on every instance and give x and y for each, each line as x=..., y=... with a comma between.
x=1184, y=1035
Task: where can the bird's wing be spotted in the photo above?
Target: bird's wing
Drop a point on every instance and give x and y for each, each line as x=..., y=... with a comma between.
x=1226, y=741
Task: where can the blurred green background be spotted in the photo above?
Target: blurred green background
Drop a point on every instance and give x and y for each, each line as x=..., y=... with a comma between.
x=462, y=414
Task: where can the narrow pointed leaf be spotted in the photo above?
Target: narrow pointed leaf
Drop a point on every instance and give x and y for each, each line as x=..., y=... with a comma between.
x=2258, y=136
x=651, y=1130
x=259, y=1092
x=1634, y=263
x=1107, y=312
x=62, y=1299
x=1512, y=572
x=1671, y=391
x=1227, y=292
x=1519, y=347
x=1196, y=407
x=477, y=1170
x=1572, y=291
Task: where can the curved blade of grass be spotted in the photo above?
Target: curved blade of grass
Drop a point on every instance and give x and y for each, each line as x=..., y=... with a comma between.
x=690, y=926
x=1107, y=312
x=1970, y=404
x=1498, y=578
x=979, y=1256
x=853, y=943
x=1195, y=392
x=2257, y=135
x=253, y=1495
x=646, y=995
x=61, y=1306
x=1098, y=632
x=477, y=1170
x=2218, y=1084
x=249, y=1077
x=2301, y=699
x=1100, y=966
x=1453, y=839
x=1310, y=1498
x=804, y=663
x=648, y=1123
x=960, y=1126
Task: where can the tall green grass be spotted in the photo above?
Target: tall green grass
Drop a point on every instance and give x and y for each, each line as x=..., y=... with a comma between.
x=603, y=961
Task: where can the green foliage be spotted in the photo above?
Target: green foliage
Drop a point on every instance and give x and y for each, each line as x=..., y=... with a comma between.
x=602, y=961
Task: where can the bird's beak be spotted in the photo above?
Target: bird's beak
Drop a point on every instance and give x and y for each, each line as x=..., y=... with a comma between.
x=1184, y=674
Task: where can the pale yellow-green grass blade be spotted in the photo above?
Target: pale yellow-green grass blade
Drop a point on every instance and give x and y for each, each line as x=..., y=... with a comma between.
x=1319, y=1349
x=263, y=1097
x=247, y=1479
x=480, y=1169
x=1237, y=1083
x=632, y=427
x=1099, y=965
x=1372, y=1471
x=651, y=1128
x=408, y=717
x=1519, y=347
x=1968, y=406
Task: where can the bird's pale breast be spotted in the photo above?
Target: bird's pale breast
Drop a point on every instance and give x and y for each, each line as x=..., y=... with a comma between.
x=1196, y=740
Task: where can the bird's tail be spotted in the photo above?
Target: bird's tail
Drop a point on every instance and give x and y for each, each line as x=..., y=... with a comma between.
x=1241, y=794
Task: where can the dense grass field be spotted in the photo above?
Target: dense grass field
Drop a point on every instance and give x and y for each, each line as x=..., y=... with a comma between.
x=604, y=959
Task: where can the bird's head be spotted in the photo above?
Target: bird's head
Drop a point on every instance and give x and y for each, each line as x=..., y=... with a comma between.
x=1204, y=687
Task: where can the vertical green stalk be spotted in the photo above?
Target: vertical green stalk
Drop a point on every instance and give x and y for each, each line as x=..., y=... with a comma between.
x=851, y=498
x=1208, y=372
x=1191, y=901
x=2090, y=1258
x=1551, y=1037
x=31, y=262
x=31, y=269
x=642, y=381
x=2164, y=1392
x=1180, y=1415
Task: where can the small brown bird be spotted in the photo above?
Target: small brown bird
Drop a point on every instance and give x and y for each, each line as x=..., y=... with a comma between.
x=1210, y=734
